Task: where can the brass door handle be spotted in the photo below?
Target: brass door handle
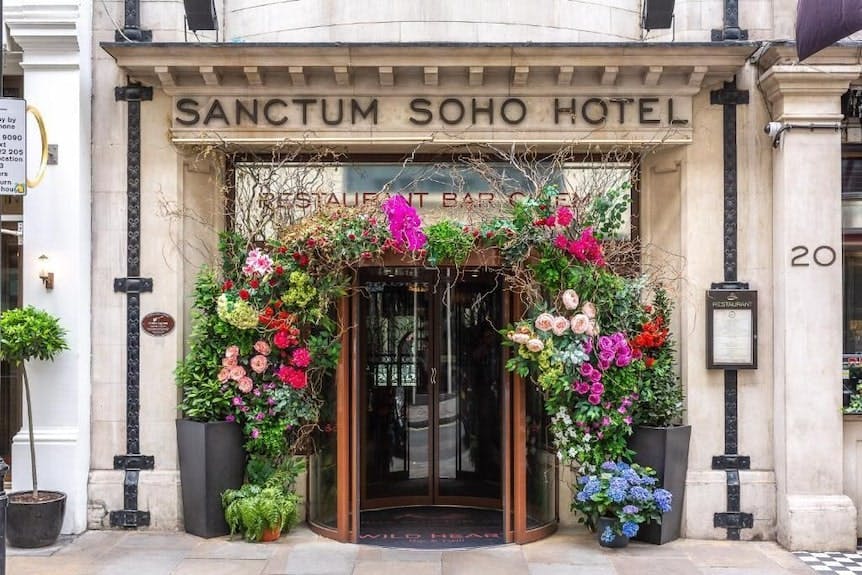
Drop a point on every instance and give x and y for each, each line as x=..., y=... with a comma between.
x=433, y=377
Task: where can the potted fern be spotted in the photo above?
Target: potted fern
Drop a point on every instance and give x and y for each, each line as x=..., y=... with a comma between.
x=34, y=517
x=262, y=511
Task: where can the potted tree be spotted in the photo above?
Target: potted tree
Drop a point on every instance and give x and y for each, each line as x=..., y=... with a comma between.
x=34, y=517
x=659, y=440
x=210, y=443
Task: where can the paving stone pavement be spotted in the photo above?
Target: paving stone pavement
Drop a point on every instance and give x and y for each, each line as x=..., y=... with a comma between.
x=570, y=551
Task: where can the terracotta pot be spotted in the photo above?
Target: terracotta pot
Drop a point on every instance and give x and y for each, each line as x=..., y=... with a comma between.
x=270, y=534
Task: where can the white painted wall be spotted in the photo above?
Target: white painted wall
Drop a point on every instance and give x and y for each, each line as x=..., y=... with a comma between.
x=55, y=40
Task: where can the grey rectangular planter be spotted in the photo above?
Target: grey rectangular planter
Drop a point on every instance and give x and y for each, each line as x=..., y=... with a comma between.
x=212, y=459
x=665, y=449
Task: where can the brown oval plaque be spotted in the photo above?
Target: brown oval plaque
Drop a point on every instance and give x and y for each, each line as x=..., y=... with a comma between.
x=158, y=323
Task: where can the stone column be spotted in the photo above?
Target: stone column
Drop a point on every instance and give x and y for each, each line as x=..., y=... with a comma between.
x=55, y=39
x=813, y=512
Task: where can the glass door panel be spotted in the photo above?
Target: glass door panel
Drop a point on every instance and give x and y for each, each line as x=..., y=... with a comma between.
x=469, y=390
x=431, y=429
x=397, y=420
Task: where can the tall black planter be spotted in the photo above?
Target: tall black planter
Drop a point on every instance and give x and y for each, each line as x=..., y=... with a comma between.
x=665, y=449
x=212, y=460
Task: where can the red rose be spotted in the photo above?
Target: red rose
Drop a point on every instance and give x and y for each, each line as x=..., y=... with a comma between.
x=254, y=284
x=279, y=270
x=243, y=294
x=282, y=250
x=649, y=361
x=226, y=285
x=351, y=237
x=366, y=255
x=303, y=260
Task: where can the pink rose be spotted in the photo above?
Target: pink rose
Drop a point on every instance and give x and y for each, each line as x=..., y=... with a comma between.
x=535, y=345
x=586, y=369
x=545, y=322
x=521, y=338
x=594, y=399
x=232, y=351
x=597, y=388
x=571, y=299
x=582, y=387
x=245, y=384
x=229, y=362
x=580, y=324
x=259, y=363
x=589, y=309
x=560, y=325
x=237, y=372
x=301, y=357
x=262, y=347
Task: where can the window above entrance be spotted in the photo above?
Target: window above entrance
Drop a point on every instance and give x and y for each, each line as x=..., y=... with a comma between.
x=468, y=191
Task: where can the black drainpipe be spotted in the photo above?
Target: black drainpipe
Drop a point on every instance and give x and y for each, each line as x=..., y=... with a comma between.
x=131, y=31
x=731, y=462
x=132, y=462
x=731, y=29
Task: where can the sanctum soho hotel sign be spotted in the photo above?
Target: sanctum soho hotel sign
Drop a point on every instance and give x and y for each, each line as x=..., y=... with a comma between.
x=492, y=113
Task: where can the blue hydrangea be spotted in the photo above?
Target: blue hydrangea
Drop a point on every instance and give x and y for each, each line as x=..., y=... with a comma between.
x=621, y=466
x=583, y=479
x=581, y=496
x=617, y=489
x=639, y=494
x=630, y=528
x=662, y=499
x=592, y=487
x=632, y=477
x=647, y=480
x=607, y=535
x=631, y=509
x=609, y=466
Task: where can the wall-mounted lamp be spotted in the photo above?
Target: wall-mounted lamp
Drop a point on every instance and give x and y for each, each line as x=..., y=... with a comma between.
x=45, y=273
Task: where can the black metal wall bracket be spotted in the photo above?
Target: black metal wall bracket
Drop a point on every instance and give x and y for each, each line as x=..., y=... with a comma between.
x=133, y=92
x=135, y=461
x=733, y=520
x=130, y=519
x=133, y=285
x=724, y=462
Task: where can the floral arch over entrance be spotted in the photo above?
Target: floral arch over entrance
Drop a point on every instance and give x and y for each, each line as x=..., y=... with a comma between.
x=270, y=335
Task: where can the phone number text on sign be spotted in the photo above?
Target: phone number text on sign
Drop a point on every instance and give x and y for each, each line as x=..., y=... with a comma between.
x=13, y=147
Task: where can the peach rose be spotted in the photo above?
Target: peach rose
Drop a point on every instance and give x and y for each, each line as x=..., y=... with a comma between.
x=224, y=374
x=535, y=345
x=237, y=372
x=232, y=351
x=545, y=322
x=593, y=330
x=245, y=384
x=262, y=347
x=561, y=325
x=259, y=363
x=580, y=323
x=229, y=362
x=571, y=299
x=589, y=309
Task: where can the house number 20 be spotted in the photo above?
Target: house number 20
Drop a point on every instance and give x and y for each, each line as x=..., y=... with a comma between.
x=822, y=255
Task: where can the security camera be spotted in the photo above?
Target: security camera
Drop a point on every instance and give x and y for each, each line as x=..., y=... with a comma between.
x=772, y=129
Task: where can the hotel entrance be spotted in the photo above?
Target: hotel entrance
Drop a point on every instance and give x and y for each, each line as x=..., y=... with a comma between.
x=431, y=392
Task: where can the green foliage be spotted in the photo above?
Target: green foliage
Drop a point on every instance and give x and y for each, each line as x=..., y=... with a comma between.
x=252, y=508
x=30, y=333
x=447, y=242
x=203, y=396
x=606, y=211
